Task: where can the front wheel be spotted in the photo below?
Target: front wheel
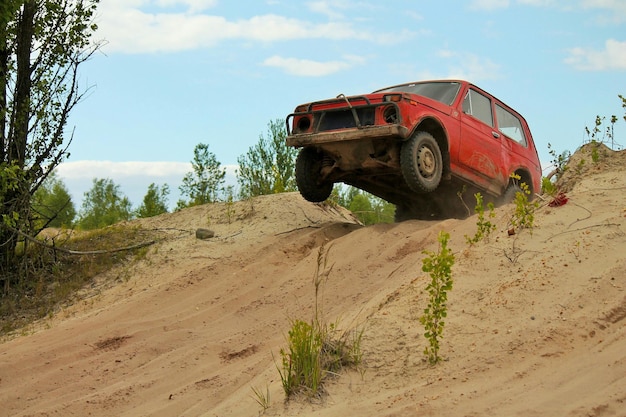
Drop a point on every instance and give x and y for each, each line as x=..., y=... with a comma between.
x=309, y=178
x=421, y=162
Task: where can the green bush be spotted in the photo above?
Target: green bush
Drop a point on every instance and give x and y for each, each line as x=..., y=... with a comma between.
x=439, y=266
x=301, y=362
x=524, y=214
x=484, y=227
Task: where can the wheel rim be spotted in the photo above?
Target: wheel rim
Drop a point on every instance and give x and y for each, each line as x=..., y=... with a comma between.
x=426, y=162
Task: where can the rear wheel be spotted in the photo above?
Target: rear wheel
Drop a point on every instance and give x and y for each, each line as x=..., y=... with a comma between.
x=402, y=213
x=421, y=162
x=308, y=176
x=509, y=194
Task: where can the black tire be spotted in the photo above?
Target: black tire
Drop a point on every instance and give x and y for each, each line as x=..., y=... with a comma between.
x=421, y=162
x=402, y=213
x=308, y=176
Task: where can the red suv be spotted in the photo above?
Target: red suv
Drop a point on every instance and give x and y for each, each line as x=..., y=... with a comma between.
x=426, y=147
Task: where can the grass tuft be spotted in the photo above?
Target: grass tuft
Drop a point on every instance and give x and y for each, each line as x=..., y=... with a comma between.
x=316, y=349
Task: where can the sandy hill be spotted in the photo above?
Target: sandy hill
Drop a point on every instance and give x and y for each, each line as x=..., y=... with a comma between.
x=536, y=323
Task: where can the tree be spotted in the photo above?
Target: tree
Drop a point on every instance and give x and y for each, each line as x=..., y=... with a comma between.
x=204, y=184
x=104, y=204
x=269, y=166
x=154, y=202
x=368, y=208
x=42, y=45
x=52, y=204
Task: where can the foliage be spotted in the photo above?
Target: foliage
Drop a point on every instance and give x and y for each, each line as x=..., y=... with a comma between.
x=559, y=161
x=205, y=183
x=483, y=227
x=42, y=44
x=368, y=208
x=52, y=204
x=301, y=363
x=269, y=166
x=154, y=202
x=316, y=348
x=439, y=266
x=10, y=180
x=524, y=214
x=548, y=187
x=602, y=133
x=103, y=205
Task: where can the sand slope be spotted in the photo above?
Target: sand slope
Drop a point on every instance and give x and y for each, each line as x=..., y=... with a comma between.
x=536, y=323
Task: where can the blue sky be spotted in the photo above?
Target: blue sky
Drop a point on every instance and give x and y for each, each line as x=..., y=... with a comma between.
x=175, y=73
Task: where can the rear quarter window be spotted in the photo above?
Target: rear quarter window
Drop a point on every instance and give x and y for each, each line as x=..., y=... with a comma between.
x=510, y=125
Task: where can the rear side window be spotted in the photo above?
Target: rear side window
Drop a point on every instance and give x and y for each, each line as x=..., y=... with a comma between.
x=478, y=106
x=510, y=125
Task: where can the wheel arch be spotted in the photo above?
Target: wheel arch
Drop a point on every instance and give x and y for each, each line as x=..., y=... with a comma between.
x=439, y=133
x=524, y=177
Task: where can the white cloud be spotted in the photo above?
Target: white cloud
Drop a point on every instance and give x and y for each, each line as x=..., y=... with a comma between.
x=612, y=57
x=615, y=8
x=327, y=8
x=192, y=5
x=538, y=3
x=109, y=169
x=310, y=68
x=467, y=66
x=128, y=28
x=489, y=4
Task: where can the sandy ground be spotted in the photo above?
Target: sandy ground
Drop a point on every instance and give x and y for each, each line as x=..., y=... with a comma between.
x=536, y=322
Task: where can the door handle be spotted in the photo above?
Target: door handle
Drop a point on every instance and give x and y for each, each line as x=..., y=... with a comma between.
x=495, y=134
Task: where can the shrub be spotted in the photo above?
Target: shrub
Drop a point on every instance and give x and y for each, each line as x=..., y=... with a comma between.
x=524, y=214
x=439, y=266
x=483, y=227
x=301, y=362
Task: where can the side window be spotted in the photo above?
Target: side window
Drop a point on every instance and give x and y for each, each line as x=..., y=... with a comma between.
x=478, y=106
x=510, y=125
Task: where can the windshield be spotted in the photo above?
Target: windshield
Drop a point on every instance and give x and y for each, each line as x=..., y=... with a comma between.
x=442, y=91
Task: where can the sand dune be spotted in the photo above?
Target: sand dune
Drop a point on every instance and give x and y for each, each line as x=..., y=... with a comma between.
x=536, y=322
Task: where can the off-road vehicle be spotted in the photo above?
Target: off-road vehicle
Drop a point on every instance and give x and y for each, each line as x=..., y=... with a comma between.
x=426, y=147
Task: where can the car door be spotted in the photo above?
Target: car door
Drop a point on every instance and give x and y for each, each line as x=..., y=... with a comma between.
x=480, y=148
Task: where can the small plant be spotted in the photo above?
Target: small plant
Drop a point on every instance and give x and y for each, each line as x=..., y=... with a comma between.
x=229, y=208
x=301, y=362
x=559, y=161
x=514, y=253
x=262, y=398
x=601, y=133
x=595, y=154
x=524, y=214
x=484, y=227
x=439, y=266
x=317, y=349
x=576, y=251
x=548, y=187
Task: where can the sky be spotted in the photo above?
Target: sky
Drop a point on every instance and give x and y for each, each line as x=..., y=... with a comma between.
x=171, y=74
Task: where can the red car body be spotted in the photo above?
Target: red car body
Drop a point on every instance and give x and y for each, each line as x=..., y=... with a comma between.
x=418, y=145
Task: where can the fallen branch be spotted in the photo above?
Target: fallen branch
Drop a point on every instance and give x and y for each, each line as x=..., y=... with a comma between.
x=582, y=228
x=76, y=252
